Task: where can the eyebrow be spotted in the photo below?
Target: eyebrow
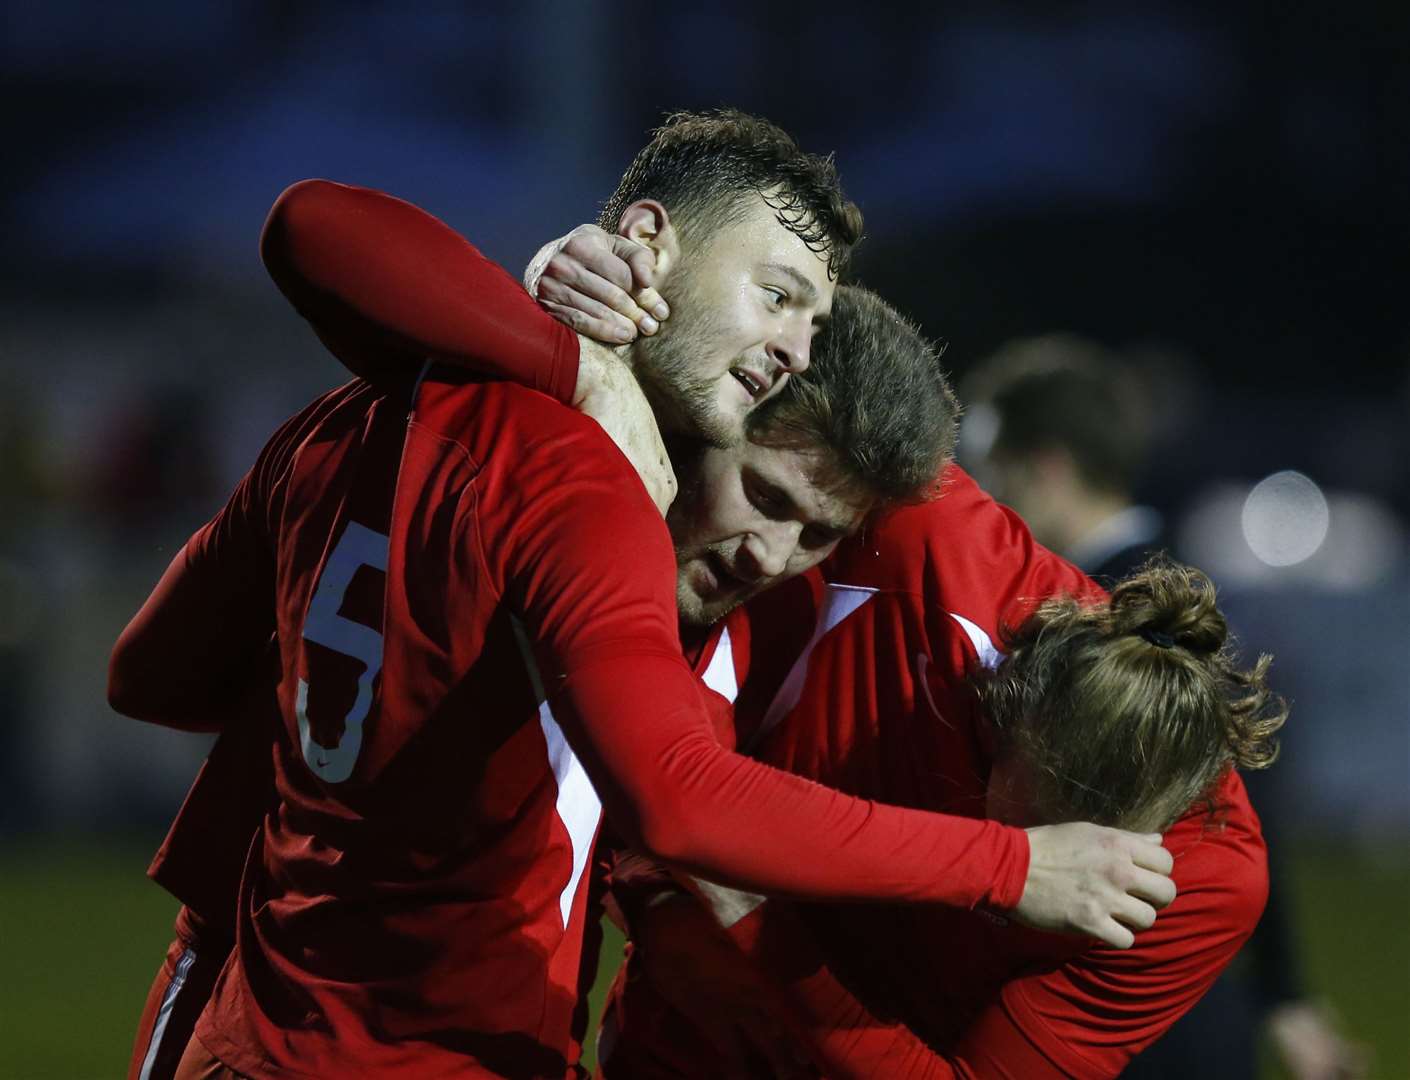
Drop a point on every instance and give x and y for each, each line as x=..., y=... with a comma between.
x=807, y=291
x=833, y=530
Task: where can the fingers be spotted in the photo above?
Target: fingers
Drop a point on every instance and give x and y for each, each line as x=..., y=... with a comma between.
x=650, y=300
x=600, y=254
x=584, y=314
x=578, y=322
x=565, y=276
x=1097, y=881
x=613, y=271
x=641, y=264
x=1147, y=852
x=1114, y=934
x=1156, y=889
x=1133, y=913
x=643, y=273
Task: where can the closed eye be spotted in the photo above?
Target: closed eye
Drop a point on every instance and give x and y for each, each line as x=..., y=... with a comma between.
x=769, y=503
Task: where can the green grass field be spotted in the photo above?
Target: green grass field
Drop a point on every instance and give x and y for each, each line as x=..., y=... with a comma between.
x=83, y=932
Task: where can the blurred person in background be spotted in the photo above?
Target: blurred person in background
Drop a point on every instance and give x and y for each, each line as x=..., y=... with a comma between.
x=1058, y=429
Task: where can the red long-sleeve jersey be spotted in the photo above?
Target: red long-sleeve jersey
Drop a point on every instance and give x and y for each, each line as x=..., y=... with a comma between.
x=413, y=900
x=975, y=562
x=878, y=703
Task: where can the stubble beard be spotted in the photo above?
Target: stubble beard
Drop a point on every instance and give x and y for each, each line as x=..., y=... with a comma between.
x=668, y=367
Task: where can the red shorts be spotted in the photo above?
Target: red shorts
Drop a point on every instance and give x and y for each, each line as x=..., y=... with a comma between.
x=179, y=993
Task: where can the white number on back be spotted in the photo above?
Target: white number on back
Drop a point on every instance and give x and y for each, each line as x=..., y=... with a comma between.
x=359, y=547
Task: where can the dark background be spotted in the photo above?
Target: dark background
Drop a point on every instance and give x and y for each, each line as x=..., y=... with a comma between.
x=1218, y=191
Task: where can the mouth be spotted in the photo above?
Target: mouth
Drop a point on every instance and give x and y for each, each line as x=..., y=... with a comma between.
x=718, y=577
x=755, y=385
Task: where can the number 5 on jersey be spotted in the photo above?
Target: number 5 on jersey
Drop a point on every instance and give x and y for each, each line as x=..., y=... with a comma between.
x=358, y=547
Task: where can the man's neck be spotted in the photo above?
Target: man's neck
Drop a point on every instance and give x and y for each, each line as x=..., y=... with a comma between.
x=599, y=364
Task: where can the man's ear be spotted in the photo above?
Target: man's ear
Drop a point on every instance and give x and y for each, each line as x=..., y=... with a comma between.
x=647, y=223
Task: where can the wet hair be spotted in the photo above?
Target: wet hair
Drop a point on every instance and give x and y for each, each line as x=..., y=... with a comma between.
x=703, y=166
x=1060, y=390
x=875, y=395
x=1126, y=712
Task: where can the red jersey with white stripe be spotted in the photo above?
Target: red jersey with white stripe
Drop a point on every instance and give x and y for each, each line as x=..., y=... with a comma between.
x=876, y=701
x=887, y=991
x=413, y=901
x=432, y=823
x=398, y=821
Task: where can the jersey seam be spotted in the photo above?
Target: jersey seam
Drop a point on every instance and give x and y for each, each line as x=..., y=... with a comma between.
x=471, y=491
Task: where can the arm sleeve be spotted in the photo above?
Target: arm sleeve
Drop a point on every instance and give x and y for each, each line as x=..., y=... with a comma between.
x=186, y=657
x=1093, y=1014
x=189, y=650
x=203, y=856
x=1085, y=1019
x=594, y=571
x=386, y=285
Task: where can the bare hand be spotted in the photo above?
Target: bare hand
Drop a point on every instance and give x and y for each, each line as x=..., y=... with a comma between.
x=1311, y=1046
x=1091, y=880
x=702, y=974
x=599, y=283
x=609, y=393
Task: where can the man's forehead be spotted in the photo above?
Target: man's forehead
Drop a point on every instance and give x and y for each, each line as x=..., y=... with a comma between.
x=802, y=266
x=787, y=253
x=808, y=477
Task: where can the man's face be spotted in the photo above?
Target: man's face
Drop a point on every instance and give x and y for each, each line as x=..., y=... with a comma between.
x=746, y=301
x=750, y=516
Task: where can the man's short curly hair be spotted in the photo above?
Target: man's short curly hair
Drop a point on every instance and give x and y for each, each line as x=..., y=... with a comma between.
x=876, y=395
x=702, y=167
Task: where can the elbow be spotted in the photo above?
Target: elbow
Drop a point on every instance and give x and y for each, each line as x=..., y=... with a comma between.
x=676, y=816
x=132, y=689
x=122, y=694
x=666, y=842
x=296, y=214
x=670, y=831
x=125, y=692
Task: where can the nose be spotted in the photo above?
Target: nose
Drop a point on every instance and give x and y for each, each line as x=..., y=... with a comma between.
x=766, y=551
x=791, y=346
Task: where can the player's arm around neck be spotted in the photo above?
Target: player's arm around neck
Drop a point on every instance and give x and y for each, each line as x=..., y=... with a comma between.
x=386, y=284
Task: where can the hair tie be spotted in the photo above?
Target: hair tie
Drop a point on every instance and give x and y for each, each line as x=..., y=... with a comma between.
x=1157, y=637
